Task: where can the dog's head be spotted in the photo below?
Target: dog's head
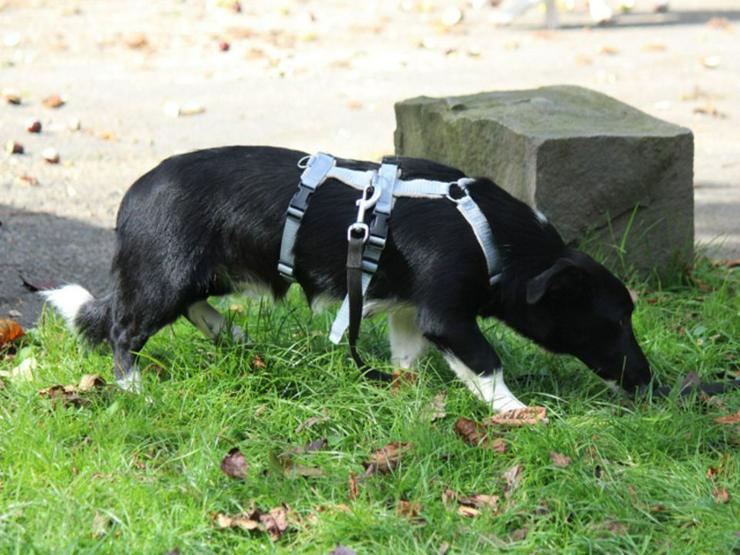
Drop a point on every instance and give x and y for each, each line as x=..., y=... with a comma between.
x=577, y=306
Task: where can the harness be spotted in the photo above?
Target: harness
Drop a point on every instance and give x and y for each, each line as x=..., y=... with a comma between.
x=380, y=188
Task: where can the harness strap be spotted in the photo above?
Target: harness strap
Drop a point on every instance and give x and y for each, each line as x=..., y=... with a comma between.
x=317, y=168
x=482, y=230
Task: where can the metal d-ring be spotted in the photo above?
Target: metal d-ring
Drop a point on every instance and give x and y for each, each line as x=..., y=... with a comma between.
x=303, y=162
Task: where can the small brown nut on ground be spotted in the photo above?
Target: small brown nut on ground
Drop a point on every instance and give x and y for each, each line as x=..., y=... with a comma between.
x=11, y=96
x=13, y=147
x=50, y=155
x=33, y=126
x=53, y=101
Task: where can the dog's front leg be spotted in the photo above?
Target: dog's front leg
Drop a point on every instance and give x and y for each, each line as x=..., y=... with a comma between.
x=407, y=341
x=212, y=323
x=476, y=363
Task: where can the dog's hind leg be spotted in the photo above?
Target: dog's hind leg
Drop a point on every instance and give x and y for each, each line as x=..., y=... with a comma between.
x=407, y=341
x=474, y=361
x=212, y=323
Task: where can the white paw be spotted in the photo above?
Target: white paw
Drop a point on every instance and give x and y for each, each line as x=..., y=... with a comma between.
x=131, y=381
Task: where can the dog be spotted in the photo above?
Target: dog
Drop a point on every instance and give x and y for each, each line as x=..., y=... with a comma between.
x=209, y=223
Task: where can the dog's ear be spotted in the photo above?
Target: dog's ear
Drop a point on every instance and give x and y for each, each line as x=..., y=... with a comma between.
x=564, y=279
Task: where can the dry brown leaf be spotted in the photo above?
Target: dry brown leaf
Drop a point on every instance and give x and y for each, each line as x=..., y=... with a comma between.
x=234, y=465
x=526, y=416
x=719, y=23
x=712, y=472
x=310, y=422
x=614, y=526
x=513, y=476
x=10, y=330
x=354, y=490
x=402, y=378
x=387, y=458
x=258, y=362
x=470, y=512
x=100, y=525
x=519, y=534
x=480, y=501
x=449, y=496
x=88, y=382
x=498, y=445
x=470, y=431
x=721, y=496
x=27, y=180
x=435, y=410
x=53, y=101
x=274, y=522
x=136, y=41
x=558, y=459
x=728, y=263
x=66, y=394
x=729, y=419
x=408, y=509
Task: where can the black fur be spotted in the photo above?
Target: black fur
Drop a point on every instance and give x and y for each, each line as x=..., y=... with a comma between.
x=201, y=222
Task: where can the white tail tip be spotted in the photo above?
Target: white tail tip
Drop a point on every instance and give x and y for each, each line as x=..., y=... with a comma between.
x=67, y=301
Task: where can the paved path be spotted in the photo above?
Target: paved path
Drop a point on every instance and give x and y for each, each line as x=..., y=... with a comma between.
x=312, y=75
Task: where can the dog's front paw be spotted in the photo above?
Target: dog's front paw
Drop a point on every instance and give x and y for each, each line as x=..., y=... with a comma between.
x=506, y=403
x=131, y=382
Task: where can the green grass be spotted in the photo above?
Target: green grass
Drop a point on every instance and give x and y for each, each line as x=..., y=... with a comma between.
x=150, y=464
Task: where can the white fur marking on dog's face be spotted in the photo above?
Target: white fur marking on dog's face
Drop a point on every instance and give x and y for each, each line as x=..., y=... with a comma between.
x=491, y=389
x=67, y=301
x=407, y=341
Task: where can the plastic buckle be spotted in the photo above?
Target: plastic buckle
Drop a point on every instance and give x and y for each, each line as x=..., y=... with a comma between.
x=317, y=168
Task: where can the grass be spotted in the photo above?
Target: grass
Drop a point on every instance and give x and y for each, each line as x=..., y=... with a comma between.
x=148, y=465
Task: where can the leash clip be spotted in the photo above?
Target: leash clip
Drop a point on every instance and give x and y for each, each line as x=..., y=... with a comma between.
x=364, y=203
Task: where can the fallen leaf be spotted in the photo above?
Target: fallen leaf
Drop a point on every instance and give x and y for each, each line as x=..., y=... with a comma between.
x=407, y=509
x=435, y=410
x=559, y=459
x=100, y=525
x=53, y=101
x=310, y=422
x=449, y=496
x=51, y=155
x=470, y=431
x=719, y=23
x=498, y=445
x=259, y=362
x=614, y=526
x=234, y=465
x=24, y=371
x=27, y=180
x=443, y=548
x=712, y=472
x=519, y=534
x=710, y=110
x=354, y=490
x=316, y=445
x=275, y=522
x=526, y=416
x=729, y=419
x=513, y=476
x=243, y=521
x=14, y=147
x=387, y=458
x=10, y=330
x=728, y=263
x=721, y=496
x=66, y=394
x=470, y=512
x=136, y=41
x=88, y=382
x=402, y=378
x=480, y=501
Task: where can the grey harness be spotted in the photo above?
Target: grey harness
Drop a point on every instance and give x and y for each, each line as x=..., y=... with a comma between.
x=380, y=188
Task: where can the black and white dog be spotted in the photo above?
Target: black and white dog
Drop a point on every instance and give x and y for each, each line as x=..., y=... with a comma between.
x=208, y=223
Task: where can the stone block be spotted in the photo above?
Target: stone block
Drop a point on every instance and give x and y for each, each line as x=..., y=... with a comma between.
x=603, y=172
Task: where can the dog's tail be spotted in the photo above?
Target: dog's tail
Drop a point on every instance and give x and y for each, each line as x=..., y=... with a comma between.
x=84, y=314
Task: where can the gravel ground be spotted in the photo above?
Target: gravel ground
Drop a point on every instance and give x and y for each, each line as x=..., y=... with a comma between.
x=316, y=76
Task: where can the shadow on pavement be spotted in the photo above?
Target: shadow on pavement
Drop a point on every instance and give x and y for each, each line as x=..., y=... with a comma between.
x=48, y=250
